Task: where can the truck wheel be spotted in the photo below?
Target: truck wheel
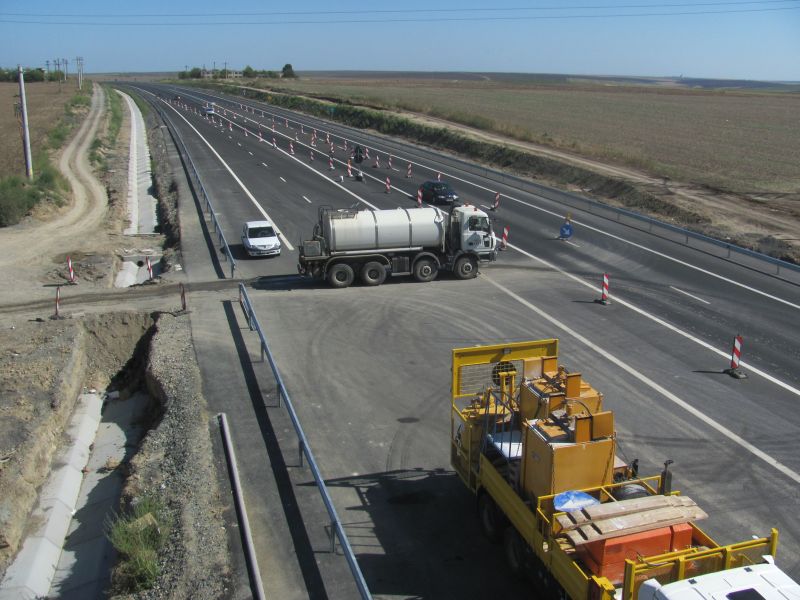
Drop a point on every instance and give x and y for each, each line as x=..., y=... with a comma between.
x=466, y=268
x=492, y=520
x=373, y=273
x=341, y=275
x=514, y=547
x=425, y=270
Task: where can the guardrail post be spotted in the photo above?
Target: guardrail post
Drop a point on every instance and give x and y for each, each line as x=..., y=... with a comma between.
x=233, y=266
x=263, y=351
x=333, y=537
x=300, y=448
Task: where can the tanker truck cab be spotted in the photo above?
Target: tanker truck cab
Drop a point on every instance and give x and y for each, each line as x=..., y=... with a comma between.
x=475, y=230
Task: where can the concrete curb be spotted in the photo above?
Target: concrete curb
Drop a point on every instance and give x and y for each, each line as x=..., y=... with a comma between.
x=34, y=567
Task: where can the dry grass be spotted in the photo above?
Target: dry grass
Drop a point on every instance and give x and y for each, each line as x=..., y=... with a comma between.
x=46, y=105
x=746, y=142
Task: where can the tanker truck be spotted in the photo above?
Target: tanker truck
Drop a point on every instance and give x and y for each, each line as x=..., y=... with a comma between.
x=375, y=244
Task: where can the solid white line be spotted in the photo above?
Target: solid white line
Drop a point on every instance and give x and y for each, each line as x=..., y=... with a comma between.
x=690, y=295
x=652, y=384
x=283, y=180
x=306, y=199
x=662, y=322
x=239, y=181
x=571, y=243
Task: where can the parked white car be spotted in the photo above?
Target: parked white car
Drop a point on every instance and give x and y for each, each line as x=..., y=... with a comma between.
x=260, y=239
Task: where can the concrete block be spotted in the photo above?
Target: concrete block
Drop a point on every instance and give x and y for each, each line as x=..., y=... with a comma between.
x=64, y=484
x=55, y=517
x=75, y=456
x=33, y=569
x=83, y=431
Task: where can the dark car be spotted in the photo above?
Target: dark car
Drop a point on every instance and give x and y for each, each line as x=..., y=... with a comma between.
x=438, y=192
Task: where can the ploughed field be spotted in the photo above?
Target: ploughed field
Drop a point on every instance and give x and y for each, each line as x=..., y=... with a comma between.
x=741, y=141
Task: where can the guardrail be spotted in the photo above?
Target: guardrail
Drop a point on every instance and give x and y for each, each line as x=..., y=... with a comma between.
x=337, y=530
x=194, y=176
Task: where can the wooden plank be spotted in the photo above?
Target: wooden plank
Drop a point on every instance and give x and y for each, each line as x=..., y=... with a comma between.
x=577, y=539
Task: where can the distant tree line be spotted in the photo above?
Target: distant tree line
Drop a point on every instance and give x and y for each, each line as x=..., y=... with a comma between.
x=248, y=72
x=37, y=74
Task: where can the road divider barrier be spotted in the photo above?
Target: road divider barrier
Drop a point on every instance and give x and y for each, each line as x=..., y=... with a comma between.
x=604, y=291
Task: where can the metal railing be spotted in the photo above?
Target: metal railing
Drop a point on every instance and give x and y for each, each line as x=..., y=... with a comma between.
x=337, y=530
x=194, y=177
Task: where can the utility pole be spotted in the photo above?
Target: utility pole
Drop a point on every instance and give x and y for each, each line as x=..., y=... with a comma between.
x=47, y=62
x=26, y=140
x=79, y=68
x=226, y=69
x=66, y=69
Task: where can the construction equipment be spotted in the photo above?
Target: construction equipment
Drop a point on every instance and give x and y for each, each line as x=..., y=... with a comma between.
x=533, y=442
x=378, y=243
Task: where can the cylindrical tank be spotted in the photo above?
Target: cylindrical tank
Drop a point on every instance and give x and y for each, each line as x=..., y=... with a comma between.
x=382, y=229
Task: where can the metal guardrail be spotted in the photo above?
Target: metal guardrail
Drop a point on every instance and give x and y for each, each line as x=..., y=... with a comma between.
x=337, y=530
x=194, y=175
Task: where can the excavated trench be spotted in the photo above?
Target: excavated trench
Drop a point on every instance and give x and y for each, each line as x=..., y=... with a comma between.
x=52, y=365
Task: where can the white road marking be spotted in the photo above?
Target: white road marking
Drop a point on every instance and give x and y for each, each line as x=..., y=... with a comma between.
x=690, y=295
x=662, y=322
x=571, y=243
x=652, y=384
x=265, y=164
x=306, y=199
x=239, y=181
x=239, y=144
x=250, y=153
x=283, y=180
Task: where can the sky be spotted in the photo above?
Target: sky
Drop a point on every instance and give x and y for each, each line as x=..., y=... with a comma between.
x=725, y=40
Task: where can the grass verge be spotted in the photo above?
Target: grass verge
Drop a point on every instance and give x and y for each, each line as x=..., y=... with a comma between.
x=137, y=537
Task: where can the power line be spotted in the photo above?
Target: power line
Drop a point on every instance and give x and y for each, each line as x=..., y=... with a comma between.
x=403, y=20
x=402, y=11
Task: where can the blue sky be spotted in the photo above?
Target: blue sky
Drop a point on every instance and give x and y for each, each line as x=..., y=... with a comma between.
x=762, y=43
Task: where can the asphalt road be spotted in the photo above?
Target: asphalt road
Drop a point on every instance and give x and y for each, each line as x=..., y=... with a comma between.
x=368, y=368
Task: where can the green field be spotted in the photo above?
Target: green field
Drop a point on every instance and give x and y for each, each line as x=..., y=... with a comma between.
x=743, y=141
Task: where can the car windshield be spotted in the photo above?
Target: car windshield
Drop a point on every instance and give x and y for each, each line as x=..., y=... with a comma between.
x=442, y=188
x=261, y=232
x=479, y=224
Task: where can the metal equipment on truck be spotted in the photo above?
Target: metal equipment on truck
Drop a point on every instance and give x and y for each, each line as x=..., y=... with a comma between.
x=377, y=243
x=535, y=445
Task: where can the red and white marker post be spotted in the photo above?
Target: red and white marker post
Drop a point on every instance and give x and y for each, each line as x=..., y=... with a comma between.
x=57, y=314
x=330, y=163
x=349, y=168
x=604, y=291
x=419, y=198
x=504, y=240
x=438, y=177
x=71, y=271
x=296, y=137
x=366, y=152
x=388, y=186
x=274, y=143
x=149, y=268
x=496, y=204
x=408, y=170
x=377, y=163
x=311, y=156
x=327, y=138
x=736, y=356
x=389, y=164
x=287, y=123
x=291, y=148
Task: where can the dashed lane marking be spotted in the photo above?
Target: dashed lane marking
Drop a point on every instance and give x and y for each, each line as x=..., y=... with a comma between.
x=690, y=295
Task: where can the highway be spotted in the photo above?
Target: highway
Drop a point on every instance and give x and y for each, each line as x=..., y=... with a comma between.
x=368, y=368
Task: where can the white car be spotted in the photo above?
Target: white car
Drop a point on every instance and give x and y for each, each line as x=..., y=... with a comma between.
x=260, y=239
x=209, y=109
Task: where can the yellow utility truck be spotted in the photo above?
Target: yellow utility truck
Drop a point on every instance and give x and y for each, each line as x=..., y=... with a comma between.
x=534, y=443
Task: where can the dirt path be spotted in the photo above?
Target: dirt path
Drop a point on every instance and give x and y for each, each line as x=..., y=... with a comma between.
x=33, y=253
